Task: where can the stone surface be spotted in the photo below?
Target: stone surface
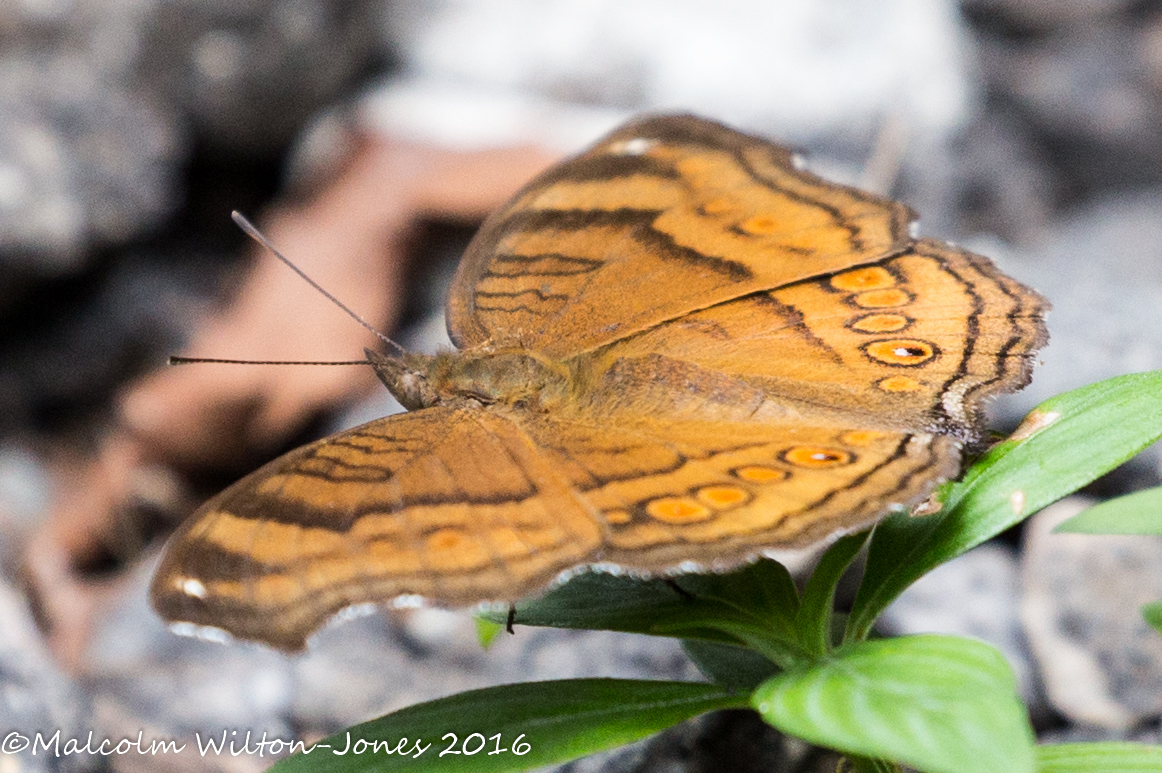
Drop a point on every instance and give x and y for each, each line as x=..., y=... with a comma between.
x=99, y=102
x=247, y=75
x=724, y=740
x=1081, y=79
x=142, y=675
x=1100, y=269
x=83, y=163
x=35, y=696
x=432, y=653
x=1101, y=662
x=24, y=495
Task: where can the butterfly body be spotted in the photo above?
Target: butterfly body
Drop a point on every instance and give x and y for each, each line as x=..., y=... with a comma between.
x=677, y=350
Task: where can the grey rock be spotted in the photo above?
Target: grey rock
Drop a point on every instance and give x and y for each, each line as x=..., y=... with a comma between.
x=1101, y=662
x=100, y=101
x=83, y=162
x=1082, y=78
x=1148, y=734
x=1101, y=268
x=1060, y=12
x=24, y=495
x=724, y=740
x=35, y=696
x=249, y=74
x=144, y=678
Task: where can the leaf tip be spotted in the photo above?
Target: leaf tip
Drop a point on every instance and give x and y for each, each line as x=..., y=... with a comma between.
x=486, y=632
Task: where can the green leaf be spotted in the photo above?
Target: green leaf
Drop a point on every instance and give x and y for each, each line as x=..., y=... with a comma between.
x=1108, y=757
x=1152, y=612
x=735, y=668
x=814, y=618
x=486, y=631
x=941, y=704
x=755, y=606
x=1137, y=513
x=558, y=721
x=1068, y=441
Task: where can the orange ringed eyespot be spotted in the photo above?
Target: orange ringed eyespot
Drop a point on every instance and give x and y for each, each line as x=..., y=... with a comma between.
x=878, y=299
x=899, y=384
x=722, y=496
x=814, y=457
x=908, y=352
x=677, y=510
x=879, y=323
x=757, y=474
x=870, y=278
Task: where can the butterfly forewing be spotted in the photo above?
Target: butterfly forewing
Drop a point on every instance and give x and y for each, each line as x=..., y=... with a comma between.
x=662, y=217
x=448, y=505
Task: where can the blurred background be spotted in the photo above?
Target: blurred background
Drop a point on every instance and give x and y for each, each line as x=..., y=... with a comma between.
x=369, y=138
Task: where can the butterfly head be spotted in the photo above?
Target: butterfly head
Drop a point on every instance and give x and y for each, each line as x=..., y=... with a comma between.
x=514, y=378
x=406, y=377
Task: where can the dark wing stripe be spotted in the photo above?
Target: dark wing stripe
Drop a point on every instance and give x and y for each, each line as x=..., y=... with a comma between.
x=543, y=264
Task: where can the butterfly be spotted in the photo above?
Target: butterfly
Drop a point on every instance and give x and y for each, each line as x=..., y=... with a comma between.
x=676, y=351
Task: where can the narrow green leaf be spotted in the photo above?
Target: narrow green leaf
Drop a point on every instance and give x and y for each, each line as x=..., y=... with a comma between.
x=941, y=704
x=599, y=601
x=814, y=618
x=755, y=605
x=535, y=724
x=1068, y=441
x=1152, y=612
x=1137, y=513
x=1108, y=757
x=735, y=668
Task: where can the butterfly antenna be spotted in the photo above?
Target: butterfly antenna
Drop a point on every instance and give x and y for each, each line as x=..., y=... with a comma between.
x=176, y=360
x=257, y=236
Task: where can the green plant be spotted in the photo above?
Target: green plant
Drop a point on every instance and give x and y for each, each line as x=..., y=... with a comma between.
x=941, y=704
x=1138, y=513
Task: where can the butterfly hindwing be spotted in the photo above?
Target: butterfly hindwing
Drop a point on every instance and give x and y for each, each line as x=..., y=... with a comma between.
x=715, y=494
x=916, y=341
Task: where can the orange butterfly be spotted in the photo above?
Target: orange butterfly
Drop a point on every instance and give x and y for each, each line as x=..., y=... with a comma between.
x=677, y=351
